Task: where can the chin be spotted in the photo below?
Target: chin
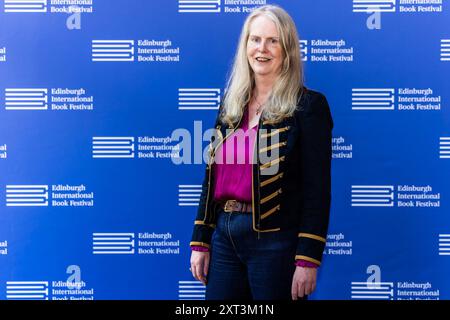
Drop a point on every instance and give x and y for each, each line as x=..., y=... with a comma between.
x=261, y=72
x=257, y=68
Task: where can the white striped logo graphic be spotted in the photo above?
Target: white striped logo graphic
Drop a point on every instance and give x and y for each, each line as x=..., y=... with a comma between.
x=191, y=290
x=26, y=99
x=373, y=290
x=444, y=244
x=372, y=196
x=373, y=6
x=112, y=147
x=189, y=194
x=445, y=50
x=25, y=5
x=27, y=290
x=373, y=99
x=304, y=49
x=112, y=50
x=113, y=243
x=26, y=195
x=444, y=147
x=198, y=99
x=188, y=6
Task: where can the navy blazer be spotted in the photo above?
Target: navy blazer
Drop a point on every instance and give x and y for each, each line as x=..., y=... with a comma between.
x=298, y=192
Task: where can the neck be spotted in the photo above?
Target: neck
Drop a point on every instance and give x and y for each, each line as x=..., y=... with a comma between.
x=263, y=86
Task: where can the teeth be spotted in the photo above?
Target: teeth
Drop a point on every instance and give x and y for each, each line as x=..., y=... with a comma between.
x=262, y=59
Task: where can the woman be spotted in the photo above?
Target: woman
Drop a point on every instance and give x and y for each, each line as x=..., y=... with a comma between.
x=261, y=225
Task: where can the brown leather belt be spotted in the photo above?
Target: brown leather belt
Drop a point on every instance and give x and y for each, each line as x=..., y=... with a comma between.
x=234, y=205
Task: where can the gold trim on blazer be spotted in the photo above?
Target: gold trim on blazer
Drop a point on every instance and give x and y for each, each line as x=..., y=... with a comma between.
x=209, y=167
x=298, y=257
x=253, y=192
x=273, y=146
x=274, y=178
x=268, y=213
x=204, y=224
x=274, y=132
x=271, y=121
x=271, y=196
x=271, y=163
x=312, y=236
x=201, y=244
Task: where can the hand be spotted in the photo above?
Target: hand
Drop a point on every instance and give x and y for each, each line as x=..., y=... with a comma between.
x=199, y=265
x=303, y=282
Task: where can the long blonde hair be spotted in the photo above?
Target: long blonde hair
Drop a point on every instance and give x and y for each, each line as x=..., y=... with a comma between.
x=241, y=83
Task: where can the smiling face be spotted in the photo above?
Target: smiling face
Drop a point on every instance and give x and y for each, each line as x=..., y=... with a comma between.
x=264, y=51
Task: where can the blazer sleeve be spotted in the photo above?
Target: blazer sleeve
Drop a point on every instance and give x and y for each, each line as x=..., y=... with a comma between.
x=315, y=168
x=202, y=231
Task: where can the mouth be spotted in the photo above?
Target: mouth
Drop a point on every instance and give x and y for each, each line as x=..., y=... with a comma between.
x=263, y=59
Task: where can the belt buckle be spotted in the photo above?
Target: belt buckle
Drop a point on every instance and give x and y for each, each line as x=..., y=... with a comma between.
x=228, y=207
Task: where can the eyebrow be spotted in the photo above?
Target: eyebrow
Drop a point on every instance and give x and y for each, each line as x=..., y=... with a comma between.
x=252, y=35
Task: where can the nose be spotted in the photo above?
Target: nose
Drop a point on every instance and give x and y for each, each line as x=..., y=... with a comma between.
x=263, y=45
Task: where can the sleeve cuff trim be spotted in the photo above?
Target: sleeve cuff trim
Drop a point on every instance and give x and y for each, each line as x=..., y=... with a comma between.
x=201, y=244
x=298, y=257
x=204, y=224
x=312, y=236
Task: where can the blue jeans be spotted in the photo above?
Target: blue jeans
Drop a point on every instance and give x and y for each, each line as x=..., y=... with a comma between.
x=243, y=267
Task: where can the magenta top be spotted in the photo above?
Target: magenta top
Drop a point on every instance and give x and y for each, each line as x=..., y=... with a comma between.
x=233, y=164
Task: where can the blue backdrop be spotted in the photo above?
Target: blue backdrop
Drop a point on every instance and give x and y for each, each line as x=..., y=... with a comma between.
x=92, y=205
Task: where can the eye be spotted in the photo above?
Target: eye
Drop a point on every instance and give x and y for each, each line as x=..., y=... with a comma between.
x=274, y=41
x=254, y=39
